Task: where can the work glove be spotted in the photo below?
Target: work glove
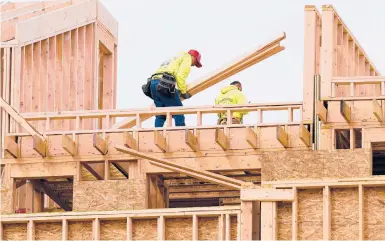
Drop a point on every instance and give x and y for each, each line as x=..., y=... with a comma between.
x=186, y=96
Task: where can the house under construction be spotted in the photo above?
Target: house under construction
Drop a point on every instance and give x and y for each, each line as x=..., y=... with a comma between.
x=70, y=170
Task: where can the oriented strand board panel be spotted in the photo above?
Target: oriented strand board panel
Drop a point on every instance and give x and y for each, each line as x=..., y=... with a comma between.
x=310, y=214
x=233, y=228
x=48, y=231
x=15, y=231
x=113, y=229
x=374, y=213
x=179, y=229
x=109, y=195
x=284, y=220
x=294, y=165
x=144, y=229
x=80, y=230
x=344, y=213
x=6, y=197
x=207, y=228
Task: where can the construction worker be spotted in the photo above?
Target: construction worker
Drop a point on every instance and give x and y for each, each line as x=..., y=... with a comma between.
x=171, y=74
x=231, y=95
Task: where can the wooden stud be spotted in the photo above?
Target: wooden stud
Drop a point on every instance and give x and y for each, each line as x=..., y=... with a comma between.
x=246, y=221
x=322, y=112
x=268, y=218
x=221, y=227
x=106, y=170
x=294, y=222
x=345, y=111
x=191, y=140
x=326, y=213
x=195, y=228
x=39, y=145
x=327, y=56
x=11, y=147
x=377, y=110
x=228, y=227
x=31, y=230
x=69, y=145
x=221, y=138
x=361, y=212
x=161, y=228
x=267, y=194
x=251, y=137
x=282, y=136
x=96, y=229
x=160, y=141
x=1, y=231
x=100, y=144
x=129, y=141
x=129, y=229
x=305, y=135
x=64, y=229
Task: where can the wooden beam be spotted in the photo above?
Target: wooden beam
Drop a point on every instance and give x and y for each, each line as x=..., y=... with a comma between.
x=294, y=222
x=221, y=138
x=184, y=169
x=129, y=141
x=267, y=194
x=326, y=213
x=160, y=141
x=91, y=170
x=39, y=145
x=377, y=111
x=11, y=147
x=282, y=136
x=191, y=140
x=120, y=169
x=161, y=229
x=346, y=111
x=268, y=220
x=69, y=145
x=129, y=229
x=321, y=112
x=246, y=220
x=100, y=144
x=304, y=135
x=50, y=193
x=64, y=229
x=96, y=229
x=361, y=226
x=201, y=195
x=195, y=228
x=251, y=137
x=31, y=230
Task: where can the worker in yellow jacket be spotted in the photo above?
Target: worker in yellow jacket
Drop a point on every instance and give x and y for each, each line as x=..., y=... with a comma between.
x=231, y=95
x=171, y=74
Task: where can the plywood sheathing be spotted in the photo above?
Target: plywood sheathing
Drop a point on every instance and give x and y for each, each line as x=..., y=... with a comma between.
x=48, y=231
x=374, y=213
x=233, y=228
x=144, y=229
x=207, y=228
x=113, y=229
x=129, y=194
x=344, y=214
x=294, y=165
x=310, y=214
x=15, y=231
x=179, y=229
x=80, y=230
x=284, y=220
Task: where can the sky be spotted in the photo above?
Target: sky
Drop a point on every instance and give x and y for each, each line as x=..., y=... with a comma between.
x=152, y=31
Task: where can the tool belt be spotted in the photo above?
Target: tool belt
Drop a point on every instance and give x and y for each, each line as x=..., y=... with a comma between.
x=167, y=84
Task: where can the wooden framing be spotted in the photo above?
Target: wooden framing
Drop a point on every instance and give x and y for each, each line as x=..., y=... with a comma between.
x=191, y=140
x=282, y=136
x=160, y=141
x=11, y=147
x=69, y=145
x=346, y=111
x=377, y=111
x=100, y=144
x=221, y=138
x=252, y=137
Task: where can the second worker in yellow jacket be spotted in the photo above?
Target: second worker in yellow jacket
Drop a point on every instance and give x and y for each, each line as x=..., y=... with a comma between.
x=231, y=95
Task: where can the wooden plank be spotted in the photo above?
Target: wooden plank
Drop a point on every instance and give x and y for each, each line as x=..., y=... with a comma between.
x=326, y=213
x=92, y=171
x=64, y=230
x=304, y=135
x=191, y=140
x=345, y=111
x=39, y=145
x=246, y=220
x=251, y=137
x=221, y=138
x=228, y=228
x=361, y=226
x=161, y=228
x=268, y=219
x=96, y=229
x=69, y=145
x=282, y=136
x=294, y=222
x=195, y=228
x=100, y=143
x=322, y=112
x=184, y=169
x=11, y=147
x=377, y=110
x=130, y=141
x=160, y=141
x=222, y=227
x=267, y=194
x=31, y=230
x=129, y=229
x=327, y=56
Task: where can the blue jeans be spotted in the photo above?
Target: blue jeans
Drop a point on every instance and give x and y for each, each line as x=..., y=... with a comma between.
x=164, y=101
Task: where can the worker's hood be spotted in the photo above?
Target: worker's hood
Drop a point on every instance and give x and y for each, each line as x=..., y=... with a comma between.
x=226, y=89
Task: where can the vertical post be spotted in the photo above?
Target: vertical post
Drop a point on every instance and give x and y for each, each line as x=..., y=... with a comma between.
x=269, y=219
x=228, y=227
x=294, y=223
x=351, y=89
x=195, y=228
x=327, y=49
x=290, y=112
x=169, y=119
x=361, y=212
x=161, y=228
x=256, y=220
x=129, y=228
x=106, y=170
x=221, y=227
x=229, y=117
x=246, y=220
x=29, y=196
x=96, y=229
x=31, y=230
x=199, y=118
x=64, y=229
x=260, y=116
x=326, y=213
x=1, y=231
x=138, y=121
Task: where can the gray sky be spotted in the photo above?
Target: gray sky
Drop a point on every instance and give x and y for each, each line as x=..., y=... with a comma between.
x=153, y=31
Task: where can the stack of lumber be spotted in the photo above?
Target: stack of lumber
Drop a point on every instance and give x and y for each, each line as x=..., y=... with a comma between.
x=242, y=63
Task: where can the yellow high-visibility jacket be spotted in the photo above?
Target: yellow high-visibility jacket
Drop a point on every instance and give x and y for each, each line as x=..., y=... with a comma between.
x=230, y=95
x=179, y=67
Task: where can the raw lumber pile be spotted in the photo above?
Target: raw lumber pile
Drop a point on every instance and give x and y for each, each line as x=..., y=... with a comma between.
x=244, y=62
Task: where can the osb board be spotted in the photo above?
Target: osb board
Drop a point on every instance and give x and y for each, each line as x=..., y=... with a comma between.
x=108, y=195
x=207, y=228
x=48, y=231
x=374, y=213
x=144, y=229
x=80, y=230
x=284, y=221
x=179, y=229
x=344, y=213
x=233, y=228
x=113, y=230
x=6, y=197
x=362, y=111
x=294, y=165
x=15, y=231
x=310, y=214
x=374, y=135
